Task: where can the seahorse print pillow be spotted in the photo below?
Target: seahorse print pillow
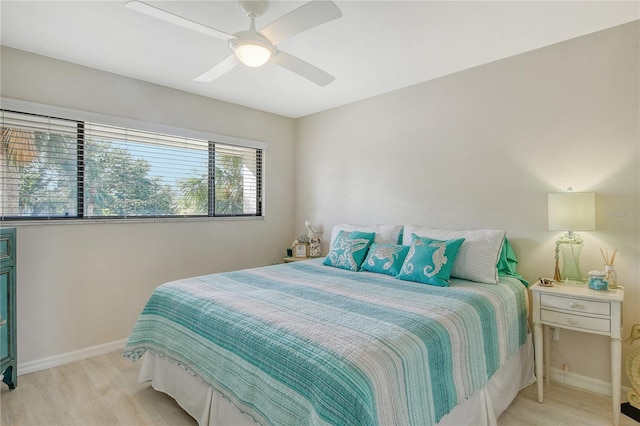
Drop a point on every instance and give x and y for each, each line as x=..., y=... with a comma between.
x=385, y=258
x=430, y=261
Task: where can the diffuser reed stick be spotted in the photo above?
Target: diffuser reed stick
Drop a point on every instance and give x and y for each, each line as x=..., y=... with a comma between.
x=605, y=256
x=611, y=277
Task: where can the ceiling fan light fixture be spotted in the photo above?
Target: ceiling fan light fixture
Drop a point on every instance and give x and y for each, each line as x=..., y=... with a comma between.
x=252, y=55
x=252, y=49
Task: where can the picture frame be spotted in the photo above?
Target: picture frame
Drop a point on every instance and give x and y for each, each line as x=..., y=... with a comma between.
x=301, y=250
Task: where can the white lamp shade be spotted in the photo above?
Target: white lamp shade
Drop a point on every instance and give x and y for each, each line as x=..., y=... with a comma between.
x=572, y=211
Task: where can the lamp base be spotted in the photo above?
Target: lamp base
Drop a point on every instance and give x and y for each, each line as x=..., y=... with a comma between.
x=573, y=282
x=571, y=261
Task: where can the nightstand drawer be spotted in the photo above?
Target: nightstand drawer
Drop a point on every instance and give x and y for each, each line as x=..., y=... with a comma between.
x=601, y=325
x=577, y=305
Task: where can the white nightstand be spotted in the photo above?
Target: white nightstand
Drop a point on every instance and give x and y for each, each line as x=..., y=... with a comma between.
x=577, y=307
x=289, y=259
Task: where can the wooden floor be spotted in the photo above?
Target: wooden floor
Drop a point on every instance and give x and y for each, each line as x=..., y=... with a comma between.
x=105, y=391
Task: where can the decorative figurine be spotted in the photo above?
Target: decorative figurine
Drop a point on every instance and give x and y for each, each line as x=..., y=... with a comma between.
x=311, y=231
x=314, y=247
x=302, y=239
x=311, y=240
x=597, y=280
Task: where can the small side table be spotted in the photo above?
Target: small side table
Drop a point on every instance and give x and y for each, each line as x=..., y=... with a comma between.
x=577, y=307
x=288, y=259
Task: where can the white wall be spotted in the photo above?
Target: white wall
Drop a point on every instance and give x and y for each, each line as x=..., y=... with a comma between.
x=483, y=147
x=81, y=285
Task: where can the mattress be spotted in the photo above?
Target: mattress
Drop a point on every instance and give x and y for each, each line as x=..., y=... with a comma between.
x=210, y=408
x=304, y=343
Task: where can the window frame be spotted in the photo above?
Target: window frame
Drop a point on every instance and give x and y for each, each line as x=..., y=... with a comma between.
x=81, y=117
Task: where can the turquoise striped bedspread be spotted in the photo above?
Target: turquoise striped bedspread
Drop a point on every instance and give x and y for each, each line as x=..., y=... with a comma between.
x=305, y=344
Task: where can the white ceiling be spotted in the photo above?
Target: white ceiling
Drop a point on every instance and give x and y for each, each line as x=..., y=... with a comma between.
x=376, y=47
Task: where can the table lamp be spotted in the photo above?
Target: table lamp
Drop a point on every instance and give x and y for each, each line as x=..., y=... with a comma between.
x=570, y=211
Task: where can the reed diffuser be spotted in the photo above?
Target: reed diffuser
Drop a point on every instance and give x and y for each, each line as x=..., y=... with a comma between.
x=612, y=277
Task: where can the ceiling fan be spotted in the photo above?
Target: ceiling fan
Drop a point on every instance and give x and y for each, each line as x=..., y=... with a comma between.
x=256, y=48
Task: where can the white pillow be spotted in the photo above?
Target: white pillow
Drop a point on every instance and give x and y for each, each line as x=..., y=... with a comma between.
x=385, y=234
x=478, y=254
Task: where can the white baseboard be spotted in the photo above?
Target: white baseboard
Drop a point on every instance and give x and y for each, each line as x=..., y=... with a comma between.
x=568, y=378
x=69, y=357
x=584, y=382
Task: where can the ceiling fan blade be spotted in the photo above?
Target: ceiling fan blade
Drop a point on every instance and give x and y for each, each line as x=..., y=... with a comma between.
x=222, y=67
x=302, y=68
x=301, y=19
x=163, y=15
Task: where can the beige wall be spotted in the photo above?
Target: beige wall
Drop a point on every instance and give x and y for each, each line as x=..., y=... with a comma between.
x=480, y=148
x=82, y=285
x=483, y=147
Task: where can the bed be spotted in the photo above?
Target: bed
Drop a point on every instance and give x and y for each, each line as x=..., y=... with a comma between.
x=309, y=343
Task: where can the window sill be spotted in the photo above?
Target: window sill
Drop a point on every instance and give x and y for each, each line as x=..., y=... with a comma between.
x=63, y=221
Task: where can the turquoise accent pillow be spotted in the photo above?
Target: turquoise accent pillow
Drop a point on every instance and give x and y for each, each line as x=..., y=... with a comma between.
x=507, y=263
x=349, y=249
x=430, y=261
x=385, y=258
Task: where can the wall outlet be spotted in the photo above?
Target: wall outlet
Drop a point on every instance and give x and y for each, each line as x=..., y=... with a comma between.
x=555, y=333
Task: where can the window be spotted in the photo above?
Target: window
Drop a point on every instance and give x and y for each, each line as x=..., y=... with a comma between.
x=59, y=168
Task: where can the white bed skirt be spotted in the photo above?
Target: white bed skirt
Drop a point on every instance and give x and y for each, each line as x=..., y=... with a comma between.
x=209, y=408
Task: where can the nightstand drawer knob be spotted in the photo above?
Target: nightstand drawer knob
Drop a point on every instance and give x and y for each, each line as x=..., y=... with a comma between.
x=573, y=305
x=572, y=321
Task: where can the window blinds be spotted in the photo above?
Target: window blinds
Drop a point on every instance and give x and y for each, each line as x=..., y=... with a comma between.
x=58, y=168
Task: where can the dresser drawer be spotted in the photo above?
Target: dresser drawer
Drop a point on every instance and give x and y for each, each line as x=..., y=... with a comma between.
x=600, y=325
x=6, y=247
x=576, y=305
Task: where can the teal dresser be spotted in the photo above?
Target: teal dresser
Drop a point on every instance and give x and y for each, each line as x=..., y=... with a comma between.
x=8, y=359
